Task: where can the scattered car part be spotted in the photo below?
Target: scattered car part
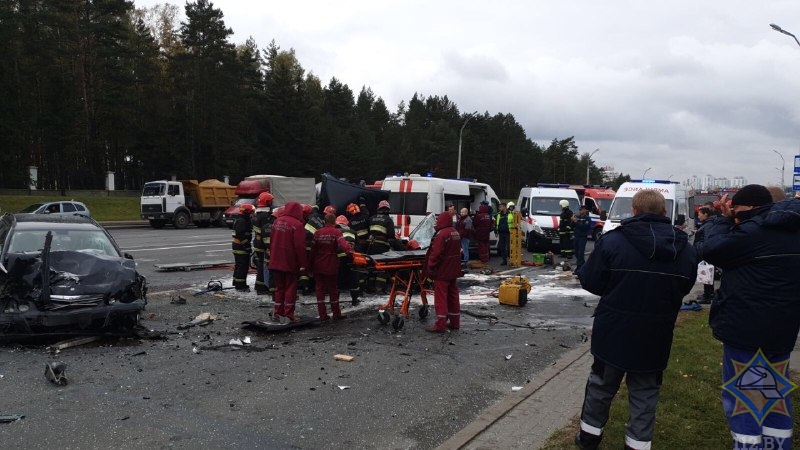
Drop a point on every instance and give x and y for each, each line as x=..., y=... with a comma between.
x=55, y=372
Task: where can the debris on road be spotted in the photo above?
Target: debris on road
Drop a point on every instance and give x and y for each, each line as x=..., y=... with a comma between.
x=235, y=341
x=213, y=286
x=8, y=418
x=344, y=387
x=508, y=357
x=346, y=358
x=74, y=342
x=201, y=320
x=187, y=267
x=177, y=300
x=516, y=388
x=55, y=373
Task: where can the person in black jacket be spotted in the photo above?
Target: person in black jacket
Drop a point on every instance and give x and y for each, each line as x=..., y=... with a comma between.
x=641, y=271
x=703, y=215
x=756, y=313
x=565, y=230
x=582, y=225
x=242, y=244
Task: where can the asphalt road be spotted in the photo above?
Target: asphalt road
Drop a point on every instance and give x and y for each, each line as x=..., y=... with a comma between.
x=188, y=388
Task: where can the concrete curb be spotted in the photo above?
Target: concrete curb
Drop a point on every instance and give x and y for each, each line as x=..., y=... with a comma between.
x=500, y=410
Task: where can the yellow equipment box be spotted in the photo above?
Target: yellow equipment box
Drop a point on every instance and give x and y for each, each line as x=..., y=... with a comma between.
x=515, y=291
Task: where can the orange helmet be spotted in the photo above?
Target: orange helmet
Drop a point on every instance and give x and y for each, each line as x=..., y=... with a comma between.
x=264, y=199
x=384, y=204
x=246, y=208
x=330, y=209
x=306, y=210
x=352, y=209
x=342, y=220
x=413, y=245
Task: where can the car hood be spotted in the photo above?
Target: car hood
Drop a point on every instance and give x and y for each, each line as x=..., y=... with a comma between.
x=74, y=274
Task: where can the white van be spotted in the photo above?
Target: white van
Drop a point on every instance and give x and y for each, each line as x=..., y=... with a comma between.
x=412, y=197
x=540, y=208
x=673, y=192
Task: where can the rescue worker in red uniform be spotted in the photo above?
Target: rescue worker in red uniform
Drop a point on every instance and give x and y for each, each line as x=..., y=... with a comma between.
x=443, y=266
x=381, y=238
x=328, y=241
x=241, y=243
x=260, y=244
x=348, y=278
x=288, y=259
x=483, y=224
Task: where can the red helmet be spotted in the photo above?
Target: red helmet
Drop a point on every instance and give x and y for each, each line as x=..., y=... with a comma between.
x=413, y=245
x=246, y=208
x=330, y=209
x=306, y=210
x=264, y=199
x=384, y=204
x=342, y=220
x=352, y=209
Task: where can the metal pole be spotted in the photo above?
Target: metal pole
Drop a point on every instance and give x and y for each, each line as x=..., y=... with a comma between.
x=589, y=163
x=781, y=30
x=645, y=172
x=783, y=170
x=460, y=134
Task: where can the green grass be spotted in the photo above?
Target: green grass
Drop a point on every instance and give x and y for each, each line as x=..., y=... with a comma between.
x=102, y=208
x=689, y=411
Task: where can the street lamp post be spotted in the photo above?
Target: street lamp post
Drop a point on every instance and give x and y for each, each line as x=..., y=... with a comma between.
x=781, y=30
x=589, y=163
x=645, y=172
x=460, y=134
x=783, y=169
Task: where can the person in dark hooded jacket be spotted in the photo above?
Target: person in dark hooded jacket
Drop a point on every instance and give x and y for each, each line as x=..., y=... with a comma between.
x=443, y=266
x=483, y=228
x=641, y=271
x=757, y=307
x=288, y=258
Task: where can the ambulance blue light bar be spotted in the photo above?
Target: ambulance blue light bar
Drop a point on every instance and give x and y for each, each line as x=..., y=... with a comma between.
x=654, y=181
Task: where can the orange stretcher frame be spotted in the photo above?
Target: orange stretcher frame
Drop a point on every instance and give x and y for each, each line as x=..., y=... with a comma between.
x=405, y=275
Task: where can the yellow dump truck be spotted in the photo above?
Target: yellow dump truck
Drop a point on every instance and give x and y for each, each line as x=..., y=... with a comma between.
x=186, y=201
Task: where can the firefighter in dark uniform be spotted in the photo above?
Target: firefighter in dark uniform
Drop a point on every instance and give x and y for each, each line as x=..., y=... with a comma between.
x=348, y=278
x=359, y=223
x=314, y=221
x=381, y=238
x=241, y=244
x=565, y=230
x=260, y=244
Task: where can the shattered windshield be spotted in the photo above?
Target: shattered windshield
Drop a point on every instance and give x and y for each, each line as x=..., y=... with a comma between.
x=86, y=241
x=424, y=232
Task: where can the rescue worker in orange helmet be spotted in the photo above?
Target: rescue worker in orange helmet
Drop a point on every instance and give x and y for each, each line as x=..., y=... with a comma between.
x=359, y=223
x=348, y=278
x=241, y=243
x=262, y=219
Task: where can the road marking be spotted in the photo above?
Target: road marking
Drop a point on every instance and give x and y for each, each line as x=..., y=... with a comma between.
x=142, y=249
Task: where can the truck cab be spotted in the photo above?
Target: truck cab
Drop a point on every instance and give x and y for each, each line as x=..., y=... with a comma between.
x=540, y=210
x=184, y=202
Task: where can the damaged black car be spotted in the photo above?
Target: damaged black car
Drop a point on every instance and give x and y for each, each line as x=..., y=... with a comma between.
x=65, y=276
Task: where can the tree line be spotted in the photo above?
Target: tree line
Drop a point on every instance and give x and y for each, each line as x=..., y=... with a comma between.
x=92, y=86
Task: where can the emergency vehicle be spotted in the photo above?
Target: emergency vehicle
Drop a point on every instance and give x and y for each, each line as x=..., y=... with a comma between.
x=412, y=197
x=540, y=210
x=597, y=200
x=697, y=199
x=673, y=192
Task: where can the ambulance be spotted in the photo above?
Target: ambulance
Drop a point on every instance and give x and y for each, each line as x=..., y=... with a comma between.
x=673, y=192
x=412, y=197
x=540, y=208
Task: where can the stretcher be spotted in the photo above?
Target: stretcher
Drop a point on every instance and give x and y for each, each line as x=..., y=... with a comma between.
x=405, y=268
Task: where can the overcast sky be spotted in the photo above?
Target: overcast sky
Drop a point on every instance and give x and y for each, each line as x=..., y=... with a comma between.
x=681, y=87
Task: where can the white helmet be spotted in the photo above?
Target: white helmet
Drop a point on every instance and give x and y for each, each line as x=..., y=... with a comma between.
x=510, y=204
x=563, y=203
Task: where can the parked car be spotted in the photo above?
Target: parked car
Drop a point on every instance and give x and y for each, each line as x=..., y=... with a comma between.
x=90, y=286
x=62, y=208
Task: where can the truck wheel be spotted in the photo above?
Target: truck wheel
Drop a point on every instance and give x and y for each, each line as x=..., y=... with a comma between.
x=157, y=224
x=217, y=220
x=181, y=220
